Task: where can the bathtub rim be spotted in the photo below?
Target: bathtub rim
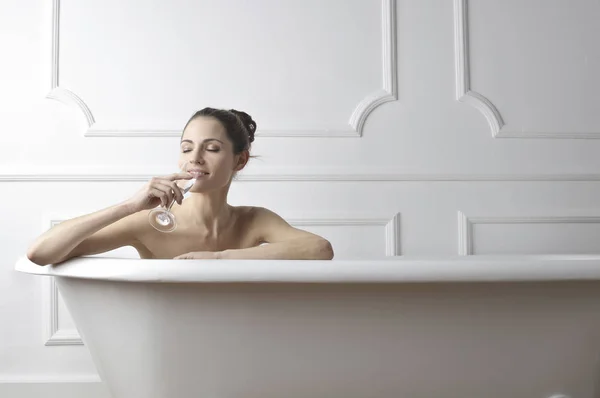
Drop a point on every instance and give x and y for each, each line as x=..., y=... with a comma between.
x=480, y=268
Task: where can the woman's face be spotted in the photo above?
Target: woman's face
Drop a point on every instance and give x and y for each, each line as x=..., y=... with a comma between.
x=206, y=148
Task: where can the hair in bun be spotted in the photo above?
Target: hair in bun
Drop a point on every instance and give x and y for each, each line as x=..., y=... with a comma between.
x=248, y=123
x=239, y=125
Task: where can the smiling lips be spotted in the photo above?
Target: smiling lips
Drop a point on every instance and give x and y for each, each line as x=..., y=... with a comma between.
x=198, y=173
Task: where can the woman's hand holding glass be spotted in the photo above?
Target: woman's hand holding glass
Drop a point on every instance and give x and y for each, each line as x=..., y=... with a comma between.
x=161, y=218
x=159, y=191
x=163, y=191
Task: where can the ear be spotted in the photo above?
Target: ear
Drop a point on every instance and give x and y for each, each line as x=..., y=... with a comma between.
x=242, y=160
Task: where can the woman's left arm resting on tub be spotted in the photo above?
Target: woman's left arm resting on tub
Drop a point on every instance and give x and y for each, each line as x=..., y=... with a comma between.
x=284, y=241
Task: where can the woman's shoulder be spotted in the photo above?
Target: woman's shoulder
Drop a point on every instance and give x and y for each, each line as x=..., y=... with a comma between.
x=261, y=219
x=258, y=217
x=255, y=212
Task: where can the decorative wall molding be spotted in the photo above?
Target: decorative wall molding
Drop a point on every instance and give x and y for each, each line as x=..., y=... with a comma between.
x=477, y=100
x=149, y=133
x=465, y=235
x=68, y=97
x=55, y=44
x=389, y=92
x=392, y=228
x=54, y=335
x=465, y=225
x=392, y=236
x=310, y=177
x=461, y=59
x=390, y=89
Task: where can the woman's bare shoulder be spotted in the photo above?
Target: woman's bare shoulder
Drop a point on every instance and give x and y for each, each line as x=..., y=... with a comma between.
x=254, y=213
x=245, y=211
x=261, y=218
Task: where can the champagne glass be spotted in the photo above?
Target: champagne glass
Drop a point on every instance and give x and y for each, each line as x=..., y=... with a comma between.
x=161, y=218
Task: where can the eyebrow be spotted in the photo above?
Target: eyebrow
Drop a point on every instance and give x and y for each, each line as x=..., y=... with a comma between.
x=208, y=139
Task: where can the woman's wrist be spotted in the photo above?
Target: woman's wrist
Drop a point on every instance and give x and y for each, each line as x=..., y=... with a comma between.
x=127, y=208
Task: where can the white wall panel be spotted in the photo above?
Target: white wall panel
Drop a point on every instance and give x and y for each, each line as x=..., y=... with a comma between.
x=139, y=78
x=529, y=234
x=533, y=65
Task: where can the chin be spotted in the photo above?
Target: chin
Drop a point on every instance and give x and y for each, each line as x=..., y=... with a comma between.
x=206, y=187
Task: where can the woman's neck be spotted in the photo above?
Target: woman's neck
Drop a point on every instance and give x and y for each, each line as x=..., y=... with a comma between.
x=208, y=211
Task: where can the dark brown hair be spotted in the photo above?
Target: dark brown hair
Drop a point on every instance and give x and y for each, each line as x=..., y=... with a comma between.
x=239, y=126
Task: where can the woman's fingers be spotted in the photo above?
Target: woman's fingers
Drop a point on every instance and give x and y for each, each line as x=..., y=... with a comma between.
x=164, y=187
x=184, y=175
x=177, y=190
x=157, y=193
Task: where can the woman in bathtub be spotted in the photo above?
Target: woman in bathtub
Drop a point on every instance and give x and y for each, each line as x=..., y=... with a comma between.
x=216, y=142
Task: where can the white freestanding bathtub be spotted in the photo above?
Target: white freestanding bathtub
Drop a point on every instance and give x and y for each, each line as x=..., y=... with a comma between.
x=468, y=327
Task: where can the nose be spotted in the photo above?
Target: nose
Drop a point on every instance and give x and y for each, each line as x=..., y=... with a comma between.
x=199, y=161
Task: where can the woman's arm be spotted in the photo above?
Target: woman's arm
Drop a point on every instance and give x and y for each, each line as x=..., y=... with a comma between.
x=294, y=249
x=284, y=241
x=93, y=233
x=106, y=229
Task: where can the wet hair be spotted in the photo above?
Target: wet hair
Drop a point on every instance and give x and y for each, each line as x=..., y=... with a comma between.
x=239, y=126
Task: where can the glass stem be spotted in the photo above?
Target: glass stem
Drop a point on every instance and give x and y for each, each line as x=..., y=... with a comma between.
x=183, y=192
x=171, y=204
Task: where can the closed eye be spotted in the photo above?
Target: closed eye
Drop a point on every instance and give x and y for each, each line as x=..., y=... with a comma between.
x=210, y=150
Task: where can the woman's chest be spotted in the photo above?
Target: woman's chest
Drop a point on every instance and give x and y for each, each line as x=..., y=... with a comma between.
x=184, y=240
